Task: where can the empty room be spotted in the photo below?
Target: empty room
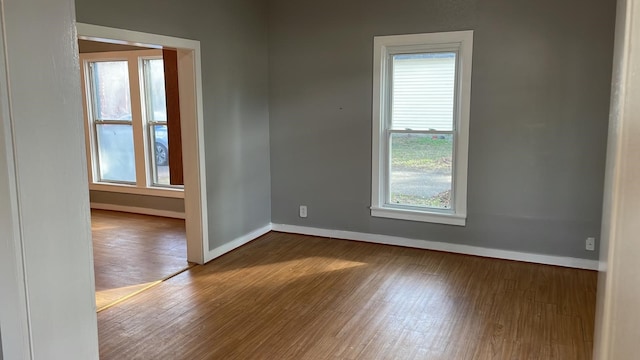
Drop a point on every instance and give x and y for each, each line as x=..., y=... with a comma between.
x=407, y=179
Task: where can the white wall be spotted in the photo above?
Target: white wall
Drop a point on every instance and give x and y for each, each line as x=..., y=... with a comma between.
x=47, y=306
x=617, y=318
x=13, y=312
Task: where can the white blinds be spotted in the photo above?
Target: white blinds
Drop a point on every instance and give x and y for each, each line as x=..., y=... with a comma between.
x=423, y=91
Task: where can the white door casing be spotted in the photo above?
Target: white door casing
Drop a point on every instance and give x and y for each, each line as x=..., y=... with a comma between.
x=191, y=115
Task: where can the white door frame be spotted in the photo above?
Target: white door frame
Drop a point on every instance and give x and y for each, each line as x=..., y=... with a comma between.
x=14, y=308
x=191, y=115
x=616, y=325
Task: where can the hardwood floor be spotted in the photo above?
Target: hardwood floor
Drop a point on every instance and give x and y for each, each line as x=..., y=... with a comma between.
x=132, y=252
x=289, y=296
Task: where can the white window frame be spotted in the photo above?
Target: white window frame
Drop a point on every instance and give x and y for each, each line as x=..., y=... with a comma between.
x=143, y=162
x=460, y=42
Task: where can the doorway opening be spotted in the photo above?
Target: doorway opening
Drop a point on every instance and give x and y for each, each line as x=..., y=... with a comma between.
x=140, y=177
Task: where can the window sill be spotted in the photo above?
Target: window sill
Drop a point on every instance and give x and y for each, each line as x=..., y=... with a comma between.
x=423, y=216
x=130, y=189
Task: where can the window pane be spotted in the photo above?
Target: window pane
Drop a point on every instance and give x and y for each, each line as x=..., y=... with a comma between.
x=421, y=170
x=111, y=90
x=423, y=91
x=160, y=149
x=154, y=89
x=115, y=152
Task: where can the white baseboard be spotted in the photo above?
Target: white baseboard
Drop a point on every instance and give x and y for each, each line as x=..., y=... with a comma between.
x=441, y=246
x=138, y=210
x=400, y=241
x=236, y=243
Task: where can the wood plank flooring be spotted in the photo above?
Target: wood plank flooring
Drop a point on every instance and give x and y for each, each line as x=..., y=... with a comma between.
x=132, y=252
x=289, y=296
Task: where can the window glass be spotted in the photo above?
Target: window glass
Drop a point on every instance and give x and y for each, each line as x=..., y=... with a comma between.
x=154, y=85
x=421, y=169
x=156, y=106
x=423, y=88
x=111, y=94
x=115, y=153
x=160, y=154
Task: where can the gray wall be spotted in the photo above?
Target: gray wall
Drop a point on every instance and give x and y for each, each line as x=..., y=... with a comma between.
x=538, y=128
x=135, y=200
x=233, y=37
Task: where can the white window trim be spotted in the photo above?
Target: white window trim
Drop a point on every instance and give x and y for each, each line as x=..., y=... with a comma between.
x=144, y=182
x=462, y=43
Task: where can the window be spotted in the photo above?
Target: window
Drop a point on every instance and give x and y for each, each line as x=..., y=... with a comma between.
x=112, y=121
x=421, y=97
x=125, y=109
x=156, y=111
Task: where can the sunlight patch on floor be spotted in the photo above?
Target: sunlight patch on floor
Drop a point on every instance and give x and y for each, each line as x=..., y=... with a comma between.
x=312, y=266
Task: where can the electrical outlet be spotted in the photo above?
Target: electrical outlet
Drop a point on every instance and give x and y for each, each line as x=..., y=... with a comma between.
x=590, y=244
x=303, y=211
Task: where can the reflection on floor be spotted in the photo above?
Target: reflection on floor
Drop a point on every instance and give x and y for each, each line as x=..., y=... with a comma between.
x=133, y=252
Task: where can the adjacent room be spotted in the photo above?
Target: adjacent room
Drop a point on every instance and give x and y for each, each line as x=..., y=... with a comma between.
x=401, y=179
x=135, y=172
